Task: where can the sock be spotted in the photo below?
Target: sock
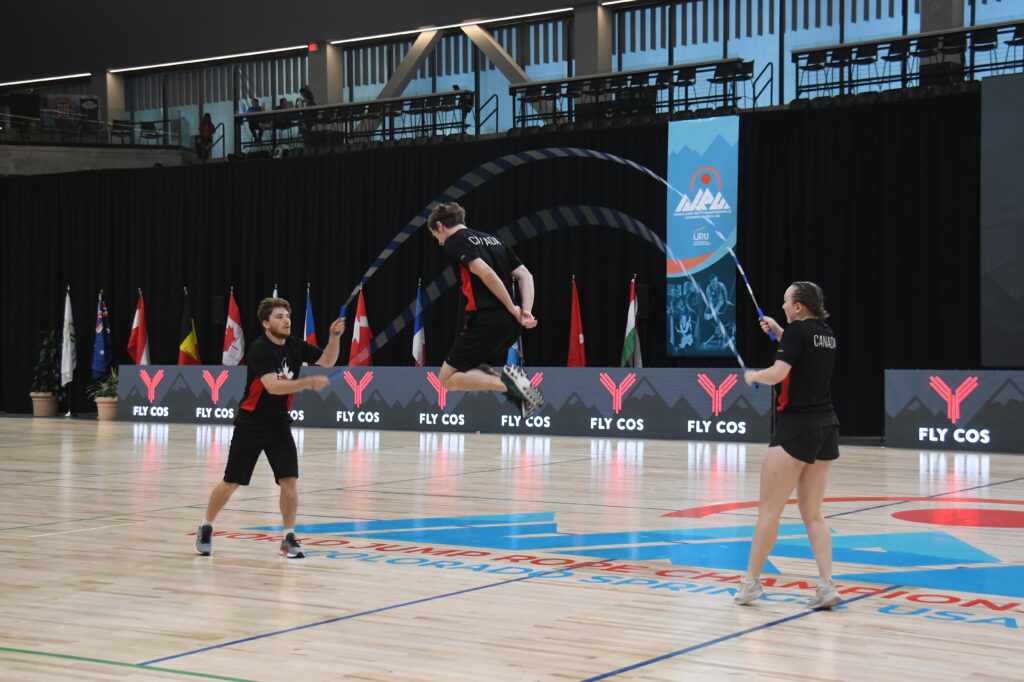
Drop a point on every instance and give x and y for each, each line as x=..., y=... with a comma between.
x=208, y=523
x=288, y=530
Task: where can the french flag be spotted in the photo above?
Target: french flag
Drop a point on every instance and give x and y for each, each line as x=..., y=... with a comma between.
x=419, y=342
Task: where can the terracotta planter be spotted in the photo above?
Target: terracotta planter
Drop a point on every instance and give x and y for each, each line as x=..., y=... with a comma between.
x=43, y=404
x=106, y=409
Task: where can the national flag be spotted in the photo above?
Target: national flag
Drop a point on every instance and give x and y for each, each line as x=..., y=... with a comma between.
x=359, y=353
x=419, y=341
x=188, y=346
x=577, y=351
x=138, y=342
x=103, y=346
x=309, y=328
x=68, y=357
x=515, y=353
x=631, y=344
x=234, y=339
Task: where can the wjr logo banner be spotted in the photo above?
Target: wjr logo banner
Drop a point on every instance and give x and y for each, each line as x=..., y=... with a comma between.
x=703, y=162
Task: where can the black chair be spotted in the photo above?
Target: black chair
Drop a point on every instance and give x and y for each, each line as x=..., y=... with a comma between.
x=1015, y=42
x=148, y=131
x=864, y=55
x=814, y=63
x=121, y=129
x=925, y=47
x=953, y=45
x=898, y=53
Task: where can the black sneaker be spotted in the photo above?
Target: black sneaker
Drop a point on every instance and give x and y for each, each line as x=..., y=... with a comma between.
x=291, y=548
x=520, y=405
x=204, y=540
x=518, y=385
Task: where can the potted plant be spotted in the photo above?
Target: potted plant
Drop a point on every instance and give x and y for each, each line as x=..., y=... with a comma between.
x=46, y=388
x=104, y=392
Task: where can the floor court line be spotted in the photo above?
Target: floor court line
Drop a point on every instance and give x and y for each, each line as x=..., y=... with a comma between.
x=725, y=638
x=121, y=664
x=365, y=613
x=936, y=496
x=80, y=530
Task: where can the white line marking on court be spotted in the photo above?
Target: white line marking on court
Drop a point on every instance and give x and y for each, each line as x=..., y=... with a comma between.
x=115, y=525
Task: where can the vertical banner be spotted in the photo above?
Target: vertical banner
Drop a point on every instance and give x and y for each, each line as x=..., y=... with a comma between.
x=703, y=163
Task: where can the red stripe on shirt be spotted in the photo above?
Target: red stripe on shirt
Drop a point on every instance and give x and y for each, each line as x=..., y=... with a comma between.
x=255, y=391
x=467, y=287
x=783, y=395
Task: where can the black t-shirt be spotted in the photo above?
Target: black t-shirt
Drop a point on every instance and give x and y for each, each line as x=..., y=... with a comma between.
x=467, y=245
x=258, y=407
x=809, y=347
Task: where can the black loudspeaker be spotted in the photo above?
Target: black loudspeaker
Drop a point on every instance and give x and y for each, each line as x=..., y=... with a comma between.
x=217, y=309
x=643, y=308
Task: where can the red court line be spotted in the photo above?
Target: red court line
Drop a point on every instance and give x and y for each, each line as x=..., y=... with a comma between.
x=709, y=509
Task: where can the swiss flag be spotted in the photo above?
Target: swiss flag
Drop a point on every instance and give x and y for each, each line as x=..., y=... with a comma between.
x=234, y=340
x=577, y=351
x=138, y=342
x=359, y=354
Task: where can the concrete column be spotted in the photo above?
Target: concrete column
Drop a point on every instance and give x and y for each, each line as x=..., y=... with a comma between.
x=326, y=73
x=592, y=38
x=109, y=87
x=939, y=15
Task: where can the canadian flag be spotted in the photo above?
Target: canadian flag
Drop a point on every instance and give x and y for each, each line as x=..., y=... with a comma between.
x=138, y=342
x=577, y=351
x=234, y=339
x=359, y=353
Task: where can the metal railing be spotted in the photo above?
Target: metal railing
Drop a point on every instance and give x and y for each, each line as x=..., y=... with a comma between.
x=949, y=56
x=75, y=129
x=663, y=90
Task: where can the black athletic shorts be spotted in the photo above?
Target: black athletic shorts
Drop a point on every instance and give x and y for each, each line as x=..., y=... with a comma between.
x=484, y=340
x=249, y=441
x=809, y=444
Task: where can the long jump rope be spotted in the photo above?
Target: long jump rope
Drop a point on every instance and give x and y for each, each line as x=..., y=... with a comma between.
x=563, y=216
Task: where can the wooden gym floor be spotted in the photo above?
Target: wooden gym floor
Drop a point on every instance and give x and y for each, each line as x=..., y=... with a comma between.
x=488, y=557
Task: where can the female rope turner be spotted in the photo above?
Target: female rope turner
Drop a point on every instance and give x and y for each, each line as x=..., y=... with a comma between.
x=805, y=441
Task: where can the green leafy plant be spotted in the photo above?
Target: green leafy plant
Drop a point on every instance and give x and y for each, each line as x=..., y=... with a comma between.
x=105, y=387
x=46, y=373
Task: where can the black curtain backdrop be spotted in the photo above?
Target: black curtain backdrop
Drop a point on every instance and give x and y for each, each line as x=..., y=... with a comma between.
x=878, y=204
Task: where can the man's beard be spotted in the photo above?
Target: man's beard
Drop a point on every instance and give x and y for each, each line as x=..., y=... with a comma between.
x=279, y=337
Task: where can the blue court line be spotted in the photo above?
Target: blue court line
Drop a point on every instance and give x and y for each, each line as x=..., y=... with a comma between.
x=952, y=492
x=365, y=613
x=724, y=638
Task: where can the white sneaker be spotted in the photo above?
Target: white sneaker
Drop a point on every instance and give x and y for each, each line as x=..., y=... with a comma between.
x=750, y=589
x=825, y=597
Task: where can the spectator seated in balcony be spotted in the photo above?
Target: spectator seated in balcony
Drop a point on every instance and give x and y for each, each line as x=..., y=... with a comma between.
x=255, y=126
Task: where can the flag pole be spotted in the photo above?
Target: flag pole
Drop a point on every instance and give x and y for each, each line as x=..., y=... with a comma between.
x=68, y=415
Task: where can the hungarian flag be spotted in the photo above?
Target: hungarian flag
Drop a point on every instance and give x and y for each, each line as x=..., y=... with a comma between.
x=138, y=342
x=188, y=347
x=103, y=347
x=234, y=340
x=419, y=342
x=631, y=344
x=68, y=354
x=359, y=353
x=309, y=328
x=577, y=351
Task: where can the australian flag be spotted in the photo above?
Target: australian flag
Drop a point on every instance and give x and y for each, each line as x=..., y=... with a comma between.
x=103, y=347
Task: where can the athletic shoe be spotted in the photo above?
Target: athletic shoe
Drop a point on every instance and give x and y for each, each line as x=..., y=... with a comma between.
x=518, y=384
x=750, y=589
x=204, y=540
x=291, y=548
x=825, y=597
x=520, y=405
